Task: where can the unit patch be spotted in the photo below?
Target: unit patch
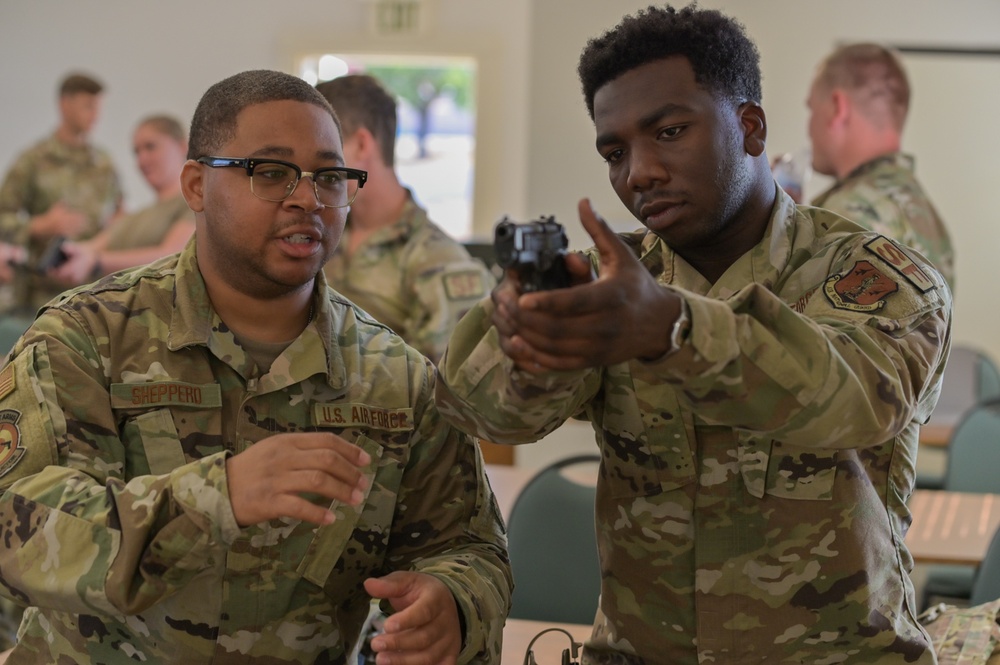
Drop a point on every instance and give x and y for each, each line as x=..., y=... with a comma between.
x=11, y=450
x=863, y=288
x=464, y=285
x=889, y=252
x=362, y=415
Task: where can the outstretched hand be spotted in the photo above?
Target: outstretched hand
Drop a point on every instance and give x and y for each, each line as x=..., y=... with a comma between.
x=425, y=627
x=623, y=314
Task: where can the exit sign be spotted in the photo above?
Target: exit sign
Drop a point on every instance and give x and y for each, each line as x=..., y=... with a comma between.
x=397, y=17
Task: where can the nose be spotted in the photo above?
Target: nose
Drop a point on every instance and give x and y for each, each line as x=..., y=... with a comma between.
x=646, y=168
x=305, y=196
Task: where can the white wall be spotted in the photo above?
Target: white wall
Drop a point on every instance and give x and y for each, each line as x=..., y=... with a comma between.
x=161, y=57
x=535, y=152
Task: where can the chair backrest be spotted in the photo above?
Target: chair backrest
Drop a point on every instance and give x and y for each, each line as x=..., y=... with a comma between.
x=974, y=451
x=553, y=547
x=970, y=378
x=986, y=586
x=11, y=329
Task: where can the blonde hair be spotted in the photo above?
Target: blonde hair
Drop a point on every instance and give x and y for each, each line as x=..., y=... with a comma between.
x=165, y=124
x=874, y=76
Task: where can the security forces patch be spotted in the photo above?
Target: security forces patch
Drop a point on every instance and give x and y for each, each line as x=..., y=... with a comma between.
x=863, y=288
x=890, y=252
x=11, y=450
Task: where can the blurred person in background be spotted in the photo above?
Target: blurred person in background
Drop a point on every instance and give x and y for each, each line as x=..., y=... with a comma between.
x=62, y=187
x=858, y=104
x=393, y=261
x=163, y=228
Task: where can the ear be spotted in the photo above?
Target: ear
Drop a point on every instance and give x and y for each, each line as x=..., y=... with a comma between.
x=842, y=107
x=193, y=185
x=754, y=124
x=364, y=143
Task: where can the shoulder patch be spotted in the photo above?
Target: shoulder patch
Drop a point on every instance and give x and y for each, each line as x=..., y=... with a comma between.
x=863, y=288
x=464, y=285
x=11, y=450
x=891, y=253
x=7, y=381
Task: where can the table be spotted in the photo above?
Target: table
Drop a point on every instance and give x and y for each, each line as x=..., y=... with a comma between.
x=952, y=527
x=517, y=633
x=936, y=434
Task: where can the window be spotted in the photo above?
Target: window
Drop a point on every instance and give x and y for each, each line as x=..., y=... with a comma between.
x=436, y=125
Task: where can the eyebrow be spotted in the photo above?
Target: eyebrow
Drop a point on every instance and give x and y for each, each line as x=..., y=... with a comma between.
x=651, y=119
x=285, y=152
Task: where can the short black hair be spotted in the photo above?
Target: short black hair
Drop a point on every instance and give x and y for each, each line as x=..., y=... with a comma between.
x=724, y=59
x=360, y=100
x=214, y=120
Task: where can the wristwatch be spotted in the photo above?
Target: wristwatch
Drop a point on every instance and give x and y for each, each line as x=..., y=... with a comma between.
x=682, y=326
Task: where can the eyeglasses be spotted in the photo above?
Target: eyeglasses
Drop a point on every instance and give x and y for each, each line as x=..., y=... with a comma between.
x=275, y=180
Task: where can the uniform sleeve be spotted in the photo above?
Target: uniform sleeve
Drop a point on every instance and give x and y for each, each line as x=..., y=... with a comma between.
x=849, y=364
x=481, y=391
x=860, y=362
x=78, y=535
x=16, y=201
x=445, y=286
x=460, y=539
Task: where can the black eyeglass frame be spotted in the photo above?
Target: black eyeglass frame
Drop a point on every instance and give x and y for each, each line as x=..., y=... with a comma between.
x=250, y=163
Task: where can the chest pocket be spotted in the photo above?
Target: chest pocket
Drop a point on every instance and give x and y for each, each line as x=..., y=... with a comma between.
x=152, y=442
x=646, y=442
x=160, y=450
x=375, y=510
x=786, y=471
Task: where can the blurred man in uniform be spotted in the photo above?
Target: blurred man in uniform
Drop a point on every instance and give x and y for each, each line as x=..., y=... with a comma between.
x=214, y=458
x=755, y=374
x=393, y=261
x=857, y=108
x=63, y=187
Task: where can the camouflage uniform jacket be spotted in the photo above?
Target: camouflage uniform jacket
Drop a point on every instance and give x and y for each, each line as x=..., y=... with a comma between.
x=119, y=410
x=83, y=178
x=883, y=195
x=412, y=277
x=751, y=499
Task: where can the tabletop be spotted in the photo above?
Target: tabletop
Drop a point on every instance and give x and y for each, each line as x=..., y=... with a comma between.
x=952, y=527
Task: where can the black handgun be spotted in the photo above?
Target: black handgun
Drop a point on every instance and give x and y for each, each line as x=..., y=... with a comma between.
x=536, y=250
x=52, y=256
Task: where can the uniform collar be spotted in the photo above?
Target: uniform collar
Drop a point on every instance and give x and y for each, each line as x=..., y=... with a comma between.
x=194, y=322
x=764, y=262
x=892, y=159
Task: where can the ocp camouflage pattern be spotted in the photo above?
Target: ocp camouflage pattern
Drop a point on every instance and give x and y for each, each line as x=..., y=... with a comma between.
x=117, y=528
x=884, y=195
x=751, y=502
x=50, y=172
x=412, y=277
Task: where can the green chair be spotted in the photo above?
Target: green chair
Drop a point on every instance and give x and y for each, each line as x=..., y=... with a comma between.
x=552, y=544
x=986, y=585
x=970, y=378
x=11, y=329
x=973, y=466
